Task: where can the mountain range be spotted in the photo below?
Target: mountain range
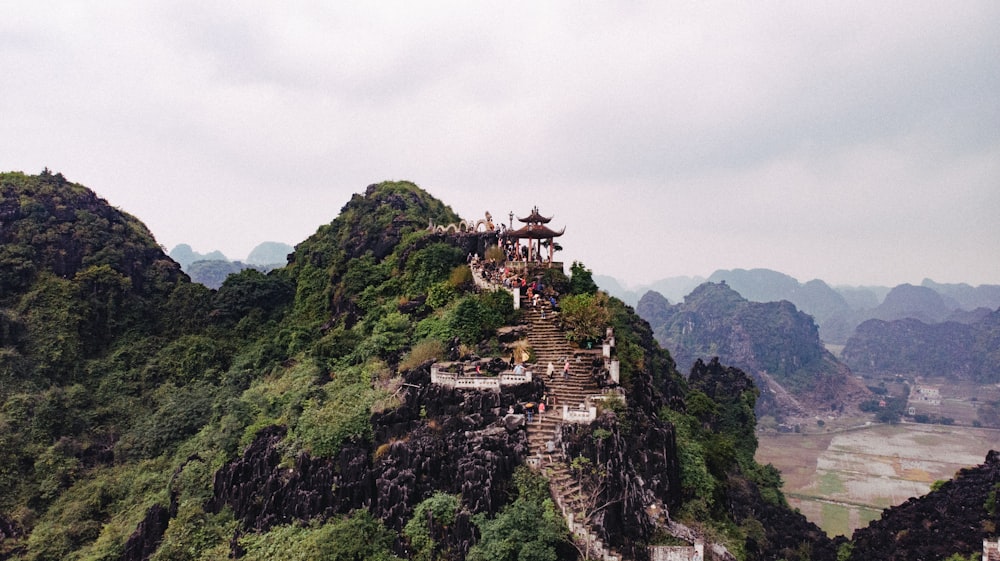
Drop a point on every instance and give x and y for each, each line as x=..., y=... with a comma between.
x=211, y=269
x=836, y=310
x=291, y=414
x=773, y=341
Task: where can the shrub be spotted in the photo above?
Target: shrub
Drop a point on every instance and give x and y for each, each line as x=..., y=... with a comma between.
x=441, y=294
x=586, y=316
x=494, y=254
x=430, y=518
x=360, y=536
x=425, y=350
x=461, y=276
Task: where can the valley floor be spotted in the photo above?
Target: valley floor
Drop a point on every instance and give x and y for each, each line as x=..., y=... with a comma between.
x=842, y=479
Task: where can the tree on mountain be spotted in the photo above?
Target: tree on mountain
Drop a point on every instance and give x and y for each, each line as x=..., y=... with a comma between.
x=581, y=280
x=586, y=316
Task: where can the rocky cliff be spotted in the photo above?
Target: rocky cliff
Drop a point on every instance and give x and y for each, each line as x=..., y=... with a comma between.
x=954, y=518
x=773, y=341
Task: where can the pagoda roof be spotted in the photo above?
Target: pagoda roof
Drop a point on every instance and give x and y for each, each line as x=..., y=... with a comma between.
x=535, y=232
x=535, y=218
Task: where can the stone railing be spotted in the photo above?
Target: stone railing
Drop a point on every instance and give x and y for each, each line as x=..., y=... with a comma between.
x=591, y=544
x=586, y=412
x=478, y=382
x=579, y=415
x=694, y=552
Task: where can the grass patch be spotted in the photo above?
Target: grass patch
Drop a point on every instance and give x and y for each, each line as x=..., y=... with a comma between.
x=836, y=520
x=830, y=484
x=866, y=515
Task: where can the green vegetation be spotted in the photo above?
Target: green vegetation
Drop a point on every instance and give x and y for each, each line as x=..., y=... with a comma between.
x=528, y=528
x=123, y=385
x=585, y=317
x=359, y=536
x=433, y=515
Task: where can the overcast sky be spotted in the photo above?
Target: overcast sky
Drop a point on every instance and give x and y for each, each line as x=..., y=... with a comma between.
x=858, y=143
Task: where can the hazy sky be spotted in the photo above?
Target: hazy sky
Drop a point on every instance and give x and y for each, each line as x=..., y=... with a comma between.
x=854, y=142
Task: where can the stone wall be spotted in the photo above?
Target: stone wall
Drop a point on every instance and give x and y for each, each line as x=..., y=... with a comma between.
x=477, y=382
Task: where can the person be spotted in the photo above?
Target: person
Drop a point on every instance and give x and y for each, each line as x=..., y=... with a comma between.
x=510, y=410
x=541, y=407
x=519, y=370
x=478, y=370
x=528, y=410
x=566, y=370
x=550, y=371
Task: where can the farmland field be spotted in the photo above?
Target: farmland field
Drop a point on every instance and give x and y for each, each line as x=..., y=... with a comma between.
x=842, y=480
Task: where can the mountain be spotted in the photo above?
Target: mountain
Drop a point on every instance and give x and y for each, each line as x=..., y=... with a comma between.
x=214, y=273
x=213, y=268
x=862, y=298
x=271, y=254
x=185, y=255
x=774, y=341
x=968, y=297
x=292, y=414
x=75, y=274
x=961, y=351
x=916, y=302
x=673, y=288
x=827, y=306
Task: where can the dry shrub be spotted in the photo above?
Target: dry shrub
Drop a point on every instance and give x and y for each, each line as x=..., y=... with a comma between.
x=460, y=276
x=428, y=349
x=495, y=254
x=522, y=349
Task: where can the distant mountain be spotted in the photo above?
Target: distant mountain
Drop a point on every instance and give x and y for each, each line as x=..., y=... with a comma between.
x=968, y=297
x=759, y=285
x=211, y=269
x=673, y=288
x=861, y=298
x=273, y=254
x=613, y=287
x=773, y=341
x=185, y=255
x=917, y=302
x=963, y=351
x=213, y=273
x=676, y=288
x=828, y=307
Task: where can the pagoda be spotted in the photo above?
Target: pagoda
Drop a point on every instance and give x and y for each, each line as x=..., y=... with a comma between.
x=535, y=231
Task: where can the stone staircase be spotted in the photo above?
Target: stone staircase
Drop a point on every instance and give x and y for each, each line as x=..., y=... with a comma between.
x=549, y=343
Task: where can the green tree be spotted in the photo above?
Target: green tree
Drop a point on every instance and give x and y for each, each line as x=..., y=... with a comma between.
x=432, y=518
x=529, y=529
x=581, y=279
x=586, y=316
